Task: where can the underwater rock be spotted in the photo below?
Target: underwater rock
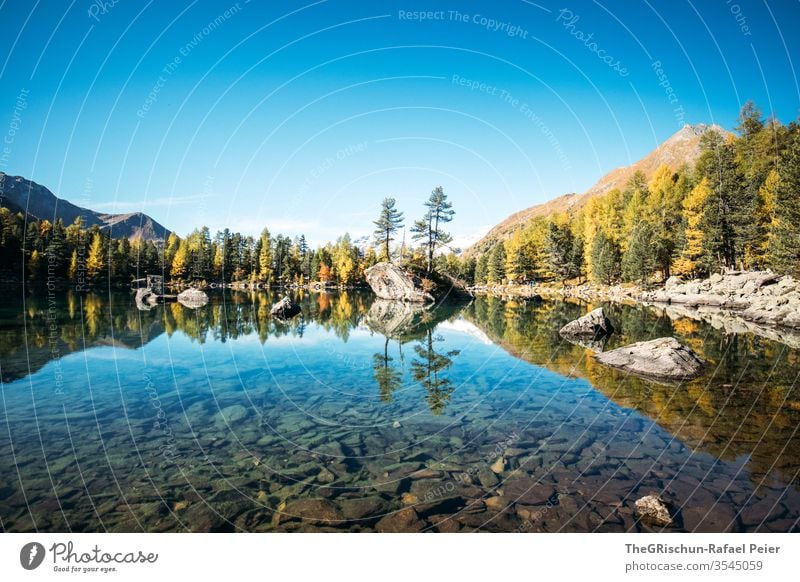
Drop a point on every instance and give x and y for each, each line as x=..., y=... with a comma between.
x=320, y=511
x=403, y=521
x=528, y=491
x=652, y=510
x=192, y=298
x=361, y=507
x=499, y=465
x=230, y=415
x=389, y=281
x=659, y=359
x=285, y=309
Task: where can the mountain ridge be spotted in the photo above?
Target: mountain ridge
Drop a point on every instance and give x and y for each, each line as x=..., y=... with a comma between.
x=19, y=194
x=681, y=148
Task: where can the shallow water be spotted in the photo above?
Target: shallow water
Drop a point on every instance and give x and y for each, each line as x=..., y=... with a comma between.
x=479, y=416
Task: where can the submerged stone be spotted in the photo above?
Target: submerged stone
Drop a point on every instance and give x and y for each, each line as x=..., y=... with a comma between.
x=651, y=509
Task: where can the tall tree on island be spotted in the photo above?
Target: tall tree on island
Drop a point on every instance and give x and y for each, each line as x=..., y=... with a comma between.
x=389, y=222
x=429, y=227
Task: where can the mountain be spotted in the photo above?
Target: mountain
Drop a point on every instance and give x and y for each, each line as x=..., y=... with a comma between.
x=681, y=148
x=21, y=195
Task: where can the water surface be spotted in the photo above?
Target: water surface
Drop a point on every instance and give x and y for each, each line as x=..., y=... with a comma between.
x=479, y=416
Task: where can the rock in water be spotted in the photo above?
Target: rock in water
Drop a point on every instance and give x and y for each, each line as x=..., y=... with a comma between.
x=389, y=281
x=592, y=326
x=285, y=308
x=652, y=510
x=660, y=359
x=192, y=298
x=403, y=521
x=499, y=465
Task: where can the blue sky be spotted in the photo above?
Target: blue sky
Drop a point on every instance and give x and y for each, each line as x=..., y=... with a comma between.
x=302, y=116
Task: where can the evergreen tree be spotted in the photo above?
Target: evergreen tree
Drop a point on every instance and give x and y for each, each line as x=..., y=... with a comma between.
x=729, y=208
x=559, y=250
x=605, y=259
x=784, y=246
x=639, y=261
x=497, y=263
x=429, y=228
x=482, y=269
x=389, y=222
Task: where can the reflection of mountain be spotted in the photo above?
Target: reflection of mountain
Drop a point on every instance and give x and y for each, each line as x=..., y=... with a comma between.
x=43, y=329
x=745, y=406
x=37, y=332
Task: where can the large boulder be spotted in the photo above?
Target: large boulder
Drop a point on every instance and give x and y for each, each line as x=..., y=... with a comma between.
x=285, y=309
x=660, y=359
x=592, y=326
x=389, y=281
x=192, y=298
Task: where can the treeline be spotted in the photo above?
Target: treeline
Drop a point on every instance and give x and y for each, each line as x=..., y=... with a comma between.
x=46, y=252
x=51, y=253
x=737, y=207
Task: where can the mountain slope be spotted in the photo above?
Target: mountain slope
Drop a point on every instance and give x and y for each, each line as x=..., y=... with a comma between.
x=21, y=195
x=683, y=147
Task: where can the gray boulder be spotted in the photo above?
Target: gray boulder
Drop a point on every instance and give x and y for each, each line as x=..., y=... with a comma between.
x=192, y=298
x=285, y=309
x=592, y=326
x=389, y=281
x=652, y=510
x=660, y=359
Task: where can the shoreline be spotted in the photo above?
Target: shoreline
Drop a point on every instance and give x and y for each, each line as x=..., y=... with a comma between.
x=758, y=302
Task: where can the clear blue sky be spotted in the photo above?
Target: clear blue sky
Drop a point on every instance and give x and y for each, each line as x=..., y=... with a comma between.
x=302, y=116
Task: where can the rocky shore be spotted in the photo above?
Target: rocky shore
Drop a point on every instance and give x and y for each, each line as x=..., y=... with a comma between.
x=758, y=302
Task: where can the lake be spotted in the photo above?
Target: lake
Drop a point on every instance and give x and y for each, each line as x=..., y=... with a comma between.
x=476, y=415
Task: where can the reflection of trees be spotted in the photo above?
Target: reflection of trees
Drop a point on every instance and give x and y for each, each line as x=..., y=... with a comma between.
x=749, y=407
x=52, y=327
x=386, y=375
x=427, y=370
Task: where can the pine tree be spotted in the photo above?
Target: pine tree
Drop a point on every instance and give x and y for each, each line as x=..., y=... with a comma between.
x=497, y=263
x=429, y=228
x=559, y=249
x=639, y=261
x=729, y=207
x=605, y=259
x=482, y=269
x=389, y=222
x=784, y=246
